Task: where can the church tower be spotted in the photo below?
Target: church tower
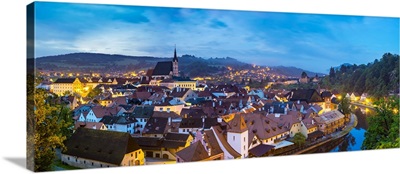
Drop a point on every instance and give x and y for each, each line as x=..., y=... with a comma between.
x=175, y=70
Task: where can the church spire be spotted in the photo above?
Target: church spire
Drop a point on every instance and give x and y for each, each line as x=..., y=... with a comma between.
x=175, y=57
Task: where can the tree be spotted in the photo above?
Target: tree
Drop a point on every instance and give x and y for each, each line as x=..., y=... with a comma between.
x=383, y=128
x=332, y=73
x=48, y=134
x=299, y=139
x=94, y=92
x=344, y=107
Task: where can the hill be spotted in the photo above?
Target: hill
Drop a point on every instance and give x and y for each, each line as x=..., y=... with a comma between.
x=190, y=65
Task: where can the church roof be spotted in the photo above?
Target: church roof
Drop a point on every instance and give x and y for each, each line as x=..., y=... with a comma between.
x=163, y=68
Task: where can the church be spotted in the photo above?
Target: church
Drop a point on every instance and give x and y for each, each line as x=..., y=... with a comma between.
x=166, y=70
x=166, y=74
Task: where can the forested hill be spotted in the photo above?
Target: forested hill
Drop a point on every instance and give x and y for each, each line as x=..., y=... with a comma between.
x=378, y=78
x=189, y=64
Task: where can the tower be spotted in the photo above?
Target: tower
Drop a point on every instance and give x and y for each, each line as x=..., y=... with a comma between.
x=175, y=70
x=237, y=135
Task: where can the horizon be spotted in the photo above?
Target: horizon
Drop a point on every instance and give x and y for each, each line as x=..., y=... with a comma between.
x=308, y=39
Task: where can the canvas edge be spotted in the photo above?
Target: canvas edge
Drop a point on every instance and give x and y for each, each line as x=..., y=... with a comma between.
x=30, y=77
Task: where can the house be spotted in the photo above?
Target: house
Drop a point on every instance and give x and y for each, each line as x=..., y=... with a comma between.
x=354, y=96
x=178, y=82
x=98, y=112
x=158, y=127
x=312, y=129
x=257, y=92
x=90, y=148
x=264, y=130
x=116, y=101
x=192, y=124
x=141, y=96
x=90, y=125
x=120, y=123
x=156, y=98
x=330, y=122
x=195, y=152
x=169, y=106
x=327, y=97
x=195, y=112
x=142, y=114
x=204, y=148
x=307, y=95
x=206, y=94
x=363, y=98
x=164, y=147
x=183, y=94
x=290, y=121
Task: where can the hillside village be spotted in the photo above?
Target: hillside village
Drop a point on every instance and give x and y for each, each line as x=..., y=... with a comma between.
x=165, y=118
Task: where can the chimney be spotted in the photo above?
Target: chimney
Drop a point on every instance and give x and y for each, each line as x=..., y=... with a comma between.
x=219, y=119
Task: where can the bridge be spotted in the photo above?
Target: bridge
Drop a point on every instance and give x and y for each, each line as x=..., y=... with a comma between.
x=362, y=105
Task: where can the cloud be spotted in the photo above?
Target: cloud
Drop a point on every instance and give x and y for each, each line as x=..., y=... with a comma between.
x=254, y=37
x=217, y=24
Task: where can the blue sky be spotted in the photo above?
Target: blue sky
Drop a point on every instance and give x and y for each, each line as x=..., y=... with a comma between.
x=309, y=41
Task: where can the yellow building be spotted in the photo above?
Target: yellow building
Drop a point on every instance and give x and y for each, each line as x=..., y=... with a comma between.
x=182, y=83
x=62, y=85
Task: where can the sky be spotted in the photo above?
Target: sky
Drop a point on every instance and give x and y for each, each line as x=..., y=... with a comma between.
x=309, y=41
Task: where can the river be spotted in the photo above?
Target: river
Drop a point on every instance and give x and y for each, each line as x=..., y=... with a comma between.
x=353, y=141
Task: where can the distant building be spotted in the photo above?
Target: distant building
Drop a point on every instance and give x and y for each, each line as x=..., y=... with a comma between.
x=330, y=122
x=165, y=70
x=62, y=85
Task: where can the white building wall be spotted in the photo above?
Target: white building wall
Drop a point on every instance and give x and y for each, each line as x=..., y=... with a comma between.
x=303, y=129
x=84, y=163
x=239, y=142
x=91, y=117
x=295, y=129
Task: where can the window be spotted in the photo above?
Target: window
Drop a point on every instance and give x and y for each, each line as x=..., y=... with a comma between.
x=233, y=138
x=161, y=109
x=68, y=159
x=92, y=164
x=84, y=162
x=101, y=165
x=244, y=139
x=183, y=130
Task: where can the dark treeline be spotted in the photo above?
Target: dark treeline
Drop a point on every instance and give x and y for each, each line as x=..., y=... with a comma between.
x=378, y=79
